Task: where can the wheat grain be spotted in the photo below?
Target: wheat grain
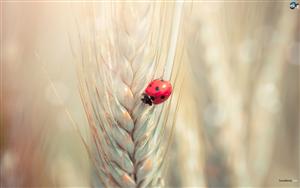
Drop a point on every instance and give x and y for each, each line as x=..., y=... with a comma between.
x=116, y=64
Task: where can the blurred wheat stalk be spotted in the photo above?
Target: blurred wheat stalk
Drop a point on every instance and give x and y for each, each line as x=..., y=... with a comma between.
x=238, y=73
x=123, y=46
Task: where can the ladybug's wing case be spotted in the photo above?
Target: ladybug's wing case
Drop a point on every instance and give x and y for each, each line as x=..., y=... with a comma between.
x=150, y=91
x=163, y=95
x=159, y=91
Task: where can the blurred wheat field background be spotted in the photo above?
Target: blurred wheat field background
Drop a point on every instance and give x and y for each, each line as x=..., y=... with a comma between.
x=232, y=121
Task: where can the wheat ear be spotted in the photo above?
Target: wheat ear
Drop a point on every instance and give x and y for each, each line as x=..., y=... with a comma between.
x=115, y=66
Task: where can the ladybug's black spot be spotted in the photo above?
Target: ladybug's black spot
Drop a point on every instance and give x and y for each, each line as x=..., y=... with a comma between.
x=162, y=97
x=157, y=88
x=150, y=85
x=162, y=80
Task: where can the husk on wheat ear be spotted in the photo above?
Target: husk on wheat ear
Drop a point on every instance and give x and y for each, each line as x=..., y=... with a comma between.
x=122, y=48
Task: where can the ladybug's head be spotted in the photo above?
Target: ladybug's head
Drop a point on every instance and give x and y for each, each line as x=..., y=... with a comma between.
x=146, y=99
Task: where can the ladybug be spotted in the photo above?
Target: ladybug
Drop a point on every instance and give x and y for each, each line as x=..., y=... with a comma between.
x=157, y=92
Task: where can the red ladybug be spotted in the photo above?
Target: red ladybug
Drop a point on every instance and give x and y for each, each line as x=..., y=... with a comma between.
x=157, y=92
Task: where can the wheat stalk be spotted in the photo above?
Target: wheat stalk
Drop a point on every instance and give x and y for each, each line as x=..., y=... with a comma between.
x=116, y=64
x=235, y=81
